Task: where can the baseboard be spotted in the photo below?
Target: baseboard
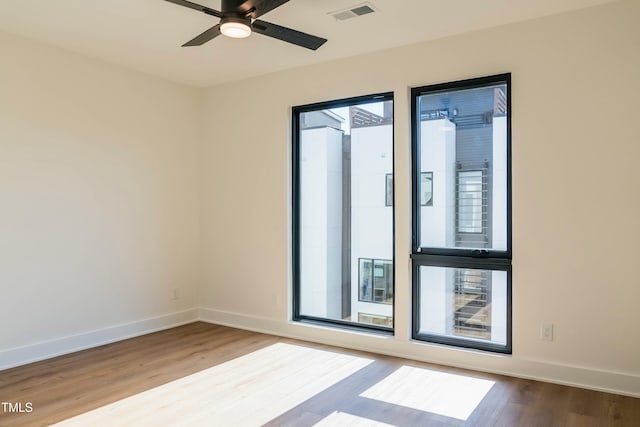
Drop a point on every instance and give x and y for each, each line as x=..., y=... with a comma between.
x=47, y=349
x=577, y=376
x=541, y=370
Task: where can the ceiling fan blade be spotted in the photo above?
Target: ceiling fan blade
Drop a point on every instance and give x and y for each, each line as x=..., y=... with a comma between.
x=201, y=39
x=195, y=6
x=288, y=35
x=258, y=8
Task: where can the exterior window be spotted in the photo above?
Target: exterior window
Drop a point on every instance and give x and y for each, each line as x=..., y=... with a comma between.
x=375, y=281
x=388, y=188
x=461, y=244
x=426, y=188
x=343, y=213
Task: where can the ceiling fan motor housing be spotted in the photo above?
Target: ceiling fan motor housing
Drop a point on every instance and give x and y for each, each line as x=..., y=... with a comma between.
x=232, y=6
x=232, y=13
x=236, y=18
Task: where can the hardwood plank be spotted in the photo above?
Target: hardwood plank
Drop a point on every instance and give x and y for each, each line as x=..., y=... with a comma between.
x=577, y=420
x=491, y=407
x=199, y=374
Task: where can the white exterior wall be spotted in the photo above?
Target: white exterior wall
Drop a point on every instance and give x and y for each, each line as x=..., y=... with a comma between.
x=321, y=231
x=438, y=155
x=499, y=306
x=436, y=300
x=499, y=190
x=371, y=220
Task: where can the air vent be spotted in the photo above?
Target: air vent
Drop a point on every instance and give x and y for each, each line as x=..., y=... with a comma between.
x=353, y=11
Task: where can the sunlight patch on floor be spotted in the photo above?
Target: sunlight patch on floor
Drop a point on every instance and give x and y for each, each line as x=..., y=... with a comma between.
x=451, y=395
x=249, y=390
x=341, y=419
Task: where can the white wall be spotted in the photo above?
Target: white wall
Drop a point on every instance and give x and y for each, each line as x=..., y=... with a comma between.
x=99, y=201
x=436, y=300
x=575, y=92
x=499, y=186
x=321, y=222
x=438, y=155
x=371, y=220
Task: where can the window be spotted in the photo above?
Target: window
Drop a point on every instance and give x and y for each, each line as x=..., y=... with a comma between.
x=461, y=242
x=375, y=281
x=343, y=213
x=388, y=188
x=426, y=188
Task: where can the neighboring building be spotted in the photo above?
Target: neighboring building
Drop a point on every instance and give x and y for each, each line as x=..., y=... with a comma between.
x=463, y=136
x=347, y=226
x=321, y=223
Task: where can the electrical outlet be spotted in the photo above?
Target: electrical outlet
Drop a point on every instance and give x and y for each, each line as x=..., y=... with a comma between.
x=175, y=294
x=275, y=299
x=546, y=332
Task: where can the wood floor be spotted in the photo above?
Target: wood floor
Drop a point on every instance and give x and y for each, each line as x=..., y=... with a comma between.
x=208, y=375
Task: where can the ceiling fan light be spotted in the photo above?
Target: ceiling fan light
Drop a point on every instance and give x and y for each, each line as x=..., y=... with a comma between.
x=237, y=29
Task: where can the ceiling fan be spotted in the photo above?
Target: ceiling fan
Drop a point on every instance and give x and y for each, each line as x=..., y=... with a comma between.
x=238, y=19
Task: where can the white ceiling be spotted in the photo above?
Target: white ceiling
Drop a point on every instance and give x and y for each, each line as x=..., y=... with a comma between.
x=146, y=35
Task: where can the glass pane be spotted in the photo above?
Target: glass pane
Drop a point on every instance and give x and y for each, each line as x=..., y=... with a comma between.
x=463, y=303
x=346, y=217
x=463, y=168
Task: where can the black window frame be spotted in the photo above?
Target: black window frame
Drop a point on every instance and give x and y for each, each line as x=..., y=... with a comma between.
x=486, y=259
x=296, y=112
